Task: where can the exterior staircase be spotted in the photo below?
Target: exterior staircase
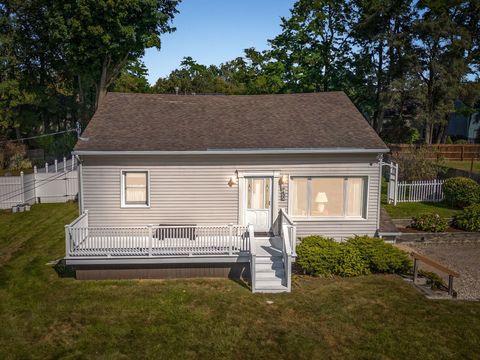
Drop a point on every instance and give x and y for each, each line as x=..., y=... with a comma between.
x=268, y=267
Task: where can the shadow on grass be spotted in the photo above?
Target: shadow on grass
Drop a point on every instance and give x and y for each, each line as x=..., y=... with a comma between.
x=63, y=270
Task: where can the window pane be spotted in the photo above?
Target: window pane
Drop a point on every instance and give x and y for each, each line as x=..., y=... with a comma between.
x=355, y=190
x=327, y=197
x=136, y=179
x=136, y=188
x=256, y=193
x=299, y=196
x=136, y=195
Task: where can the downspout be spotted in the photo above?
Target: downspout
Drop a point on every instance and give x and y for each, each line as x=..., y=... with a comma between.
x=80, y=185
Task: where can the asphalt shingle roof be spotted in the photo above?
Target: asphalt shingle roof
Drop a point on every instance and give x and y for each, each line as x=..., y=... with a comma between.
x=158, y=122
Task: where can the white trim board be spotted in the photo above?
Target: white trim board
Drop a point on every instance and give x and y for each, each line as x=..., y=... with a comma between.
x=234, y=151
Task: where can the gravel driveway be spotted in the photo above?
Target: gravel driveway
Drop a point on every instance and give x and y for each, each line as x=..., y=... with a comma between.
x=461, y=257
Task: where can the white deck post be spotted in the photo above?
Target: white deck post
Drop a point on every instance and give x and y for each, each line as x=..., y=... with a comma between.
x=46, y=167
x=67, y=241
x=64, y=164
x=56, y=165
x=22, y=180
x=150, y=239
x=230, y=241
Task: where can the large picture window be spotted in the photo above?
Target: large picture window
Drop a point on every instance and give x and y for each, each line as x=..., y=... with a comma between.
x=135, y=189
x=328, y=197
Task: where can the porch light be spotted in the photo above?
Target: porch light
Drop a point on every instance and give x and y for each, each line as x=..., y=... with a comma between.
x=233, y=181
x=321, y=199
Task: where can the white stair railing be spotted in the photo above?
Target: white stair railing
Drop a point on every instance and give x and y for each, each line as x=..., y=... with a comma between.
x=287, y=232
x=251, y=237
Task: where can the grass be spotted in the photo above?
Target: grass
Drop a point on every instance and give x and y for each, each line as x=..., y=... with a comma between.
x=463, y=165
x=44, y=315
x=409, y=210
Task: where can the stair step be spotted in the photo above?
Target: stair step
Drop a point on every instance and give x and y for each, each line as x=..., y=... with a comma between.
x=270, y=282
x=270, y=275
x=268, y=259
x=269, y=266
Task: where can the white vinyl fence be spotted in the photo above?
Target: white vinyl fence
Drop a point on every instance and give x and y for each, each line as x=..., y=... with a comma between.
x=53, y=183
x=417, y=191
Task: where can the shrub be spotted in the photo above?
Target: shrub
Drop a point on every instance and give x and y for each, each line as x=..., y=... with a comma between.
x=435, y=281
x=430, y=222
x=461, y=191
x=380, y=256
x=461, y=142
x=350, y=262
x=469, y=218
x=418, y=163
x=360, y=255
x=318, y=255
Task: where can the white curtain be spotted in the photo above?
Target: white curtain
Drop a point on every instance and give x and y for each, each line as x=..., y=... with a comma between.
x=355, y=189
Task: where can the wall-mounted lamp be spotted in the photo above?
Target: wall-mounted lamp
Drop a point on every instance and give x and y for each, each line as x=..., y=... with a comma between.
x=283, y=182
x=232, y=181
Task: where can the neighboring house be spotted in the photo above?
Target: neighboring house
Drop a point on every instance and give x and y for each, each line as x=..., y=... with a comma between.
x=182, y=186
x=463, y=126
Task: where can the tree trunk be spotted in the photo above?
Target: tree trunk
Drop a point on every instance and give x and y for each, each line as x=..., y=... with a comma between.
x=102, y=84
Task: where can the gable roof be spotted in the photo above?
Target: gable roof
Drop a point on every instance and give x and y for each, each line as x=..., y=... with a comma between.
x=198, y=123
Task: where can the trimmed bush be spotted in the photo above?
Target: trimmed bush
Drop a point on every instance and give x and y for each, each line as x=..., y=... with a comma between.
x=430, y=222
x=318, y=255
x=380, y=256
x=350, y=262
x=469, y=218
x=461, y=191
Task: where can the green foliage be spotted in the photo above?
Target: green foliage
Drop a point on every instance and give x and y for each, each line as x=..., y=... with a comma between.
x=469, y=218
x=461, y=191
x=418, y=163
x=430, y=222
x=449, y=140
x=380, y=256
x=318, y=255
x=461, y=141
x=433, y=279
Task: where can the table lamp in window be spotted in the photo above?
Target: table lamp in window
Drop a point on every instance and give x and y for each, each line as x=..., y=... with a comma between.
x=321, y=199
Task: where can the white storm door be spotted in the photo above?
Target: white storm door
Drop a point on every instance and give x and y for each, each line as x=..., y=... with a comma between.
x=259, y=202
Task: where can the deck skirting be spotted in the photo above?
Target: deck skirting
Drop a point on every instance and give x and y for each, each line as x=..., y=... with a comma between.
x=235, y=271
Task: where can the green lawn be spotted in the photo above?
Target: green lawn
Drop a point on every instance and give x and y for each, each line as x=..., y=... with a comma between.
x=43, y=315
x=463, y=165
x=409, y=210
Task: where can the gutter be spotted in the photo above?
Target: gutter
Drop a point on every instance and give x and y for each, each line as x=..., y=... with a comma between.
x=235, y=151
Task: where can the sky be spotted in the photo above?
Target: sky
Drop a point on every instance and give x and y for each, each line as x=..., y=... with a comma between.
x=215, y=31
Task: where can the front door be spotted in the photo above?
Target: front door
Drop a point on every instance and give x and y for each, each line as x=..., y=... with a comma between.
x=259, y=202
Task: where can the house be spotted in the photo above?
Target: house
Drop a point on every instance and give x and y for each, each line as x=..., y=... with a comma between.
x=182, y=186
x=462, y=125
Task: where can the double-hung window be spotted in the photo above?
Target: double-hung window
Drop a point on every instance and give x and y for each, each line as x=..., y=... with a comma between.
x=313, y=197
x=135, y=189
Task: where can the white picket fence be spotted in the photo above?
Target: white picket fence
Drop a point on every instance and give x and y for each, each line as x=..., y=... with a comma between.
x=416, y=191
x=57, y=182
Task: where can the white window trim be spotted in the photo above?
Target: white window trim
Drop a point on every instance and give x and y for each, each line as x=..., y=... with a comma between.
x=331, y=218
x=122, y=191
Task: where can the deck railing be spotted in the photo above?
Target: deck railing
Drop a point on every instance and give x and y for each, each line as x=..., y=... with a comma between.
x=150, y=241
x=287, y=231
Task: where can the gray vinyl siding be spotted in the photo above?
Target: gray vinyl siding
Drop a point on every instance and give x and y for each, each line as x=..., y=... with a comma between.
x=194, y=190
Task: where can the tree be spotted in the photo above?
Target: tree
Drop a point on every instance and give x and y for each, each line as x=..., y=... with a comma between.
x=381, y=34
x=133, y=78
x=440, y=45
x=314, y=46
